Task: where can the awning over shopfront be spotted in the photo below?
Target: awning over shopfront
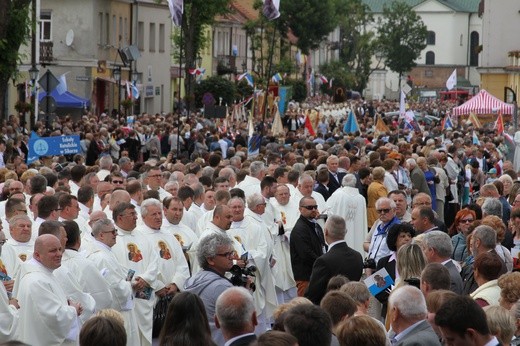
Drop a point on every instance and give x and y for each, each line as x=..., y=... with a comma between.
x=66, y=100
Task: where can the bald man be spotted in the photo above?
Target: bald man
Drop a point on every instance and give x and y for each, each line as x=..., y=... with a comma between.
x=46, y=316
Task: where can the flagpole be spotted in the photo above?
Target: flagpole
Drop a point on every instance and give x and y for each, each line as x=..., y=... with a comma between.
x=269, y=67
x=179, y=97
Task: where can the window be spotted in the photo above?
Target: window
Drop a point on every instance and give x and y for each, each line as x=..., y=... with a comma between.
x=161, y=38
x=120, y=32
x=474, y=49
x=140, y=36
x=114, y=31
x=45, y=26
x=101, y=33
x=125, y=31
x=152, y=38
x=430, y=38
x=430, y=58
x=107, y=28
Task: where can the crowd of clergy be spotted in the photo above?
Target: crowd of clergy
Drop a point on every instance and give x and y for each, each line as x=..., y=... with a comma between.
x=305, y=221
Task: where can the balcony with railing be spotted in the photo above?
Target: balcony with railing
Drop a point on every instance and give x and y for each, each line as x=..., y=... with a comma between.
x=226, y=64
x=46, y=56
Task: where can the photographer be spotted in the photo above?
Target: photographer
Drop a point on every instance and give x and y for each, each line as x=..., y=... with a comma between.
x=215, y=256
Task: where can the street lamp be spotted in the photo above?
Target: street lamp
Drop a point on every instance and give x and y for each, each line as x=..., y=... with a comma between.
x=117, y=76
x=135, y=76
x=33, y=75
x=244, y=66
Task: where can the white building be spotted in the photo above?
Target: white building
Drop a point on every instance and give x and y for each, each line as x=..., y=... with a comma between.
x=454, y=36
x=81, y=39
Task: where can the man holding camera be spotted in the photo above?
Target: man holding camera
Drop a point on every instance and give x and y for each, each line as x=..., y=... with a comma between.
x=307, y=243
x=215, y=256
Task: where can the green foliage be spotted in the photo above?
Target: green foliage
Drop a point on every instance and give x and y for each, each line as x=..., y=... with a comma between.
x=299, y=89
x=402, y=37
x=15, y=24
x=197, y=15
x=309, y=20
x=356, y=44
x=285, y=65
x=218, y=87
x=343, y=76
x=243, y=90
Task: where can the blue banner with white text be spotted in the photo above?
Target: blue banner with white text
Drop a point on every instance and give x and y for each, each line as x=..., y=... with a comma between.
x=50, y=146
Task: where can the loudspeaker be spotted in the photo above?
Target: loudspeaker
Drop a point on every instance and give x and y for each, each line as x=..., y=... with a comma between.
x=211, y=111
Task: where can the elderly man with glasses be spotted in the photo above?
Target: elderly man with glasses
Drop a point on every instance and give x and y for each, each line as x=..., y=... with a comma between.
x=376, y=245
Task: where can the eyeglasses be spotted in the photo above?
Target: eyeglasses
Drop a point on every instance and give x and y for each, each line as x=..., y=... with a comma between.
x=58, y=209
x=466, y=221
x=383, y=211
x=310, y=207
x=226, y=254
x=114, y=231
x=117, y=182
x=155, y=176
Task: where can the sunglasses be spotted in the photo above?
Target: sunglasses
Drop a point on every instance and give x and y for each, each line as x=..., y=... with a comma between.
x=466, y=221
x=310, y=207
x=383, y=211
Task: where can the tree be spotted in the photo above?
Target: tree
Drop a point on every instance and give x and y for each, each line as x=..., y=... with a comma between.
x=198, y=14
x=14, y=31
x=218, y=87
x=309, y=20
x=356, y=44
x=402, y=37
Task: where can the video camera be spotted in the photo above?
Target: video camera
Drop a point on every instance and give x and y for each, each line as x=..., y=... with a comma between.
x=239, y=276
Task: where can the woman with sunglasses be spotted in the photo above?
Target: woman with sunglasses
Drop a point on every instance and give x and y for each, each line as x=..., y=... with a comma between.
x=459, y=232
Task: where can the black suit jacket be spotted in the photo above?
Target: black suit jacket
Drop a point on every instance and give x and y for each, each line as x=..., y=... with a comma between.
x=305, y=247
x=244, y=341
x=323, y=190
x=341, y=259
x=334, y=184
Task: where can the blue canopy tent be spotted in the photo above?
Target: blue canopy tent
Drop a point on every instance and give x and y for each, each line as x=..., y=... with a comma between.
x=66, y=100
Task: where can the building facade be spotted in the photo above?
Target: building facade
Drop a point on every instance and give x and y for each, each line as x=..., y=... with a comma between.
x=83, y=39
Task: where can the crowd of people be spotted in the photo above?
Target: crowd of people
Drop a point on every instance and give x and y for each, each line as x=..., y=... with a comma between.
x=168, y=229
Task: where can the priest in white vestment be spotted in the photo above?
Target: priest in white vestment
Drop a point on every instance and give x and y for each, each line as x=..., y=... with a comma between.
x=84, y=270
x=46, y=316
x=173, y=211
x=287, y=207
x=67, y=279
x=8, y=307
x=251, y=182
x=115, y=275
x=173, y=268
x=136, y=252
x=348, y=203
x=221, y=222
x=253, y=234
x=20, y=247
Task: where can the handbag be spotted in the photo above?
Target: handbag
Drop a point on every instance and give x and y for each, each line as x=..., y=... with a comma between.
x=159, y=314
